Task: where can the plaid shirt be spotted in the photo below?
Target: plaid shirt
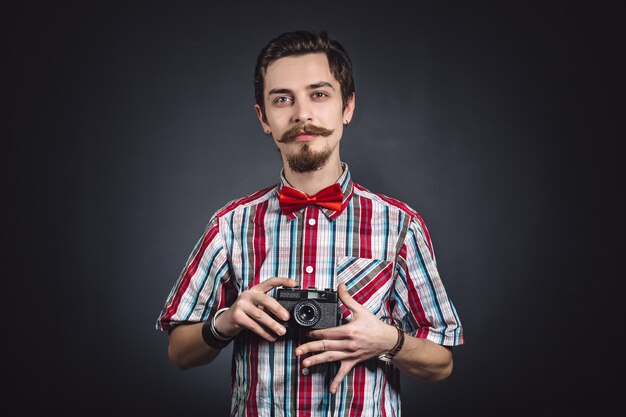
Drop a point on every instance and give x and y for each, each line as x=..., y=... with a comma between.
x=378, y=246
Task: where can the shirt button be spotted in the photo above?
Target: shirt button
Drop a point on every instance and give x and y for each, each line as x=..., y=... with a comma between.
x=312, y=222
x=305, y=371
x=309, y=269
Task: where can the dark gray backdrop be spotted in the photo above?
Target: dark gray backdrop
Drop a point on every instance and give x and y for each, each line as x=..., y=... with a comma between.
x=129, y=123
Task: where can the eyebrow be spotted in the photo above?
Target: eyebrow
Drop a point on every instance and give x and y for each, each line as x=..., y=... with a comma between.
x=320, y=85
x=313, y=86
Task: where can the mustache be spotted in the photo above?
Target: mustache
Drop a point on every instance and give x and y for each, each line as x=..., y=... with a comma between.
x=290, y=135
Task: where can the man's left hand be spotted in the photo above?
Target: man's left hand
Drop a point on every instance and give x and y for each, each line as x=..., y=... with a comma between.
x=363, y=338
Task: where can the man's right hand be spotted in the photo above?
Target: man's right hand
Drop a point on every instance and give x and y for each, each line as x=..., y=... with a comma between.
x=250, y=309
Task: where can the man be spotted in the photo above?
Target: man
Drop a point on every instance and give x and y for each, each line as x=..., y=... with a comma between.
x=316, y=228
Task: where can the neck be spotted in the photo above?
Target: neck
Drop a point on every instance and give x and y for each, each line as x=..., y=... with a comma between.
x=312, y=182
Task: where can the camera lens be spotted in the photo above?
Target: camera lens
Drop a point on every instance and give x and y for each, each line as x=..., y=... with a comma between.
x=306, y=313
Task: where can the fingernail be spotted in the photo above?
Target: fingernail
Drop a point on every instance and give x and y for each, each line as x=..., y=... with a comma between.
x=281, y=331
x=298, y=352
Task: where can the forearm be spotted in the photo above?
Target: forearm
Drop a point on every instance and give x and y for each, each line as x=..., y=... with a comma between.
x=424, y=360
x=187, y=348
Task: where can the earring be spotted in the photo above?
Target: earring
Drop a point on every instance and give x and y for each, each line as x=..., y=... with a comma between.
x=268, y=132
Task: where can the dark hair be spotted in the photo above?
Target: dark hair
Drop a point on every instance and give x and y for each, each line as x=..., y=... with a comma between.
x=300, y=43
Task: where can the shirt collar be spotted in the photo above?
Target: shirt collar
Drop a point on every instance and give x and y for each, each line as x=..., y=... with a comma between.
x=347, y=188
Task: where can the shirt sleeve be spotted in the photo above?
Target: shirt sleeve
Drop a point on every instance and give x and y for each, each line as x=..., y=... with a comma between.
x=203, y=285
x=421, y=301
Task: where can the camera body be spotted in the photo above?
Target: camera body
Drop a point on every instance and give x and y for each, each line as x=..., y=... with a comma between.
x=310, y=308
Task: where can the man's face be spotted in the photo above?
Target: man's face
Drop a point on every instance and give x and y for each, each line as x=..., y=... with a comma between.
x=304, y=111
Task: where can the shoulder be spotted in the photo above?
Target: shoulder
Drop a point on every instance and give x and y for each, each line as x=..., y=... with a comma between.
x=248, y=201
x=415, y=220
x=384, y=200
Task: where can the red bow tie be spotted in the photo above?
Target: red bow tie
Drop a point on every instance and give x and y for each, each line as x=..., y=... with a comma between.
x=292, y=200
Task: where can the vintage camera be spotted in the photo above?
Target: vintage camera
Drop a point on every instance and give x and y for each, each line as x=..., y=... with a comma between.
x=310, y=308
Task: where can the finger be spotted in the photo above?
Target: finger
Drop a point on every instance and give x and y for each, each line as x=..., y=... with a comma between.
x=326, y=357
x=270, y=283
x=269, y=304
x=334, y=333
x=341, y=374
x=265, y=320
x=255, y=327
x=347, y=299
x=319, y=346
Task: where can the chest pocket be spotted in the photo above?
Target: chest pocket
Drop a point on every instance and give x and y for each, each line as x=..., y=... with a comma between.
x=367, y=280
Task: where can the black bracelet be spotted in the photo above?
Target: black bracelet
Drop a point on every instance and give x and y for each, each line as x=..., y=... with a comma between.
x=211, y=336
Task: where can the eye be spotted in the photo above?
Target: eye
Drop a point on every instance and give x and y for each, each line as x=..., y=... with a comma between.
x=282, y=100
x=319, y=95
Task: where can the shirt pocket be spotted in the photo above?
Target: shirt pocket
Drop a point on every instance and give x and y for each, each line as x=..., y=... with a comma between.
x=368, y=281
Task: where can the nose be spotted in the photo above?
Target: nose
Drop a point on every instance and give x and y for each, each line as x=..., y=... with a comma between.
x=302, y=113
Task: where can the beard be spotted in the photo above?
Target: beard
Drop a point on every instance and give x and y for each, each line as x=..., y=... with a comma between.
x=308, y=161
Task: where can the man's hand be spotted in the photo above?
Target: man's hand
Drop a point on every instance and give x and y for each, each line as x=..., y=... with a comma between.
x=363, y=338
x=249, y=312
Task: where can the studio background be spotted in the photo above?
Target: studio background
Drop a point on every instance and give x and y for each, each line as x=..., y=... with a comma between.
x=129, y=123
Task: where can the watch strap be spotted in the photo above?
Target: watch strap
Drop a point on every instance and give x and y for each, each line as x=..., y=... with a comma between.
x=387, y=357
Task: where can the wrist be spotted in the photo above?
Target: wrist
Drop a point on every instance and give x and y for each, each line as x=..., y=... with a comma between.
x=221, y=327
x=210, y=334
x=391, y=338
x=396, y=326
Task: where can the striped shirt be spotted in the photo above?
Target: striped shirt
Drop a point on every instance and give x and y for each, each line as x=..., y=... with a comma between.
x=379, y=247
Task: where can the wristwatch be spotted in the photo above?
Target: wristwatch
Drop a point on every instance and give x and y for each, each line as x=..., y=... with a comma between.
x=387, y=357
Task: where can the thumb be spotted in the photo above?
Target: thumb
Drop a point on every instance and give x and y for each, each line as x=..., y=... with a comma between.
x=347, y=299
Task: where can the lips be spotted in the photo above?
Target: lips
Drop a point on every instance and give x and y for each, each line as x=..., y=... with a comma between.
x=304, y=137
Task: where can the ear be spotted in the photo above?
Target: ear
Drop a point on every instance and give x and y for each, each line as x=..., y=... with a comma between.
x=349, y=110
x=261, y=116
